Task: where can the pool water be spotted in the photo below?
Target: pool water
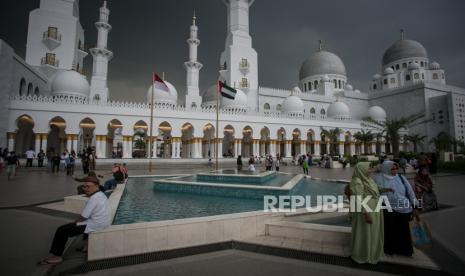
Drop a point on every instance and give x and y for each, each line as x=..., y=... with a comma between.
x=276, y=180
x=141, y=203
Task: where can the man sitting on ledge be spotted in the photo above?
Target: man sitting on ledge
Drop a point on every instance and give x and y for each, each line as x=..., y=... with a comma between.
x=95, y=216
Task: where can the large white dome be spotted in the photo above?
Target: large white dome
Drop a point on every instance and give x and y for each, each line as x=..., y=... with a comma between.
x=70, y=84
x=376, y=113
x=163, y=97
x=404, y=48
x=338, y=110
x=322, y=63
x=293, y=106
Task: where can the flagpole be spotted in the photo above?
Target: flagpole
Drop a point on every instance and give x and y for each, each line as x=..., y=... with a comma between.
x=217, y=126
x=151, y=123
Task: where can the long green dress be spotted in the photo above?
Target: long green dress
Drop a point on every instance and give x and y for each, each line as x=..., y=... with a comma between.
x=367, y=239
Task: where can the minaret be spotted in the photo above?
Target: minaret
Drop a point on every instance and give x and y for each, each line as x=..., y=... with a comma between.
x=101, y=56
x=193, y=67
x=238, y=62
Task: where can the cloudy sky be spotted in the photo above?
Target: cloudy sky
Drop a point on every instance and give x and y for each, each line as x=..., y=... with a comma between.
x=150, y=35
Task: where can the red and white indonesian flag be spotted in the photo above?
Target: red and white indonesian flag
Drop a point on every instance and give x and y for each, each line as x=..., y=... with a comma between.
x=158, y=83
x=226, y=91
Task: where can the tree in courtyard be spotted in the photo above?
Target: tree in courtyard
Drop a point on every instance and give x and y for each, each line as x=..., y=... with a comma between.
x=333, y=136
x=392, y=127
x=415, y=139
x=457, y=144
x=365, y=137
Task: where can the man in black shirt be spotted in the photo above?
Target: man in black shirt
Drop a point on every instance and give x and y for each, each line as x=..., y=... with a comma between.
x=11, y=163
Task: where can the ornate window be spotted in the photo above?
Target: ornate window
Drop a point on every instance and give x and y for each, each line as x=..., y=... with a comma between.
x=22, y=87
x=36, y=91
x=305, y=86
x=374, y=86
x=393, y=80
x=322, y=111
x=266, y=106
x=29, y=89
x=312, y=110
x=385, y=81
x=407, y=77
x=435, y=76
x=397, y=67
x=416, y=76
x=404, y=65
x=278, y=107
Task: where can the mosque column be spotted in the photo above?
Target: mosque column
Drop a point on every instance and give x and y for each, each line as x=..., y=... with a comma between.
x=75, y=143
x=317, y=148
x=373, y=147
x=174, y=147
x=288, y=152
x=341, y=148
x=219, y=142
x=328, y=147
x=38, y=139
x=362, y=148
x=303, y=147
x=239, y=146
x=11, y=137
x=100, y=145
x=178, y=147
x=129, y=151
x=44, y=142
x=154, y=146
x=383, y=146
x=69, y=142
x=352, y=148
x=255, y=147
x=272, y=149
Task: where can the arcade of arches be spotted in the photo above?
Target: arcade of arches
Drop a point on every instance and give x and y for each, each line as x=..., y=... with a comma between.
x=233, y=141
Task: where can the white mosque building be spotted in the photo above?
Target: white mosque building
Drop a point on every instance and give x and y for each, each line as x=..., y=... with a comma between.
x=47, y=102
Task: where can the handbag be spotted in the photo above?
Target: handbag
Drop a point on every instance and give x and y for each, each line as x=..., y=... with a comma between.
x=421, y=235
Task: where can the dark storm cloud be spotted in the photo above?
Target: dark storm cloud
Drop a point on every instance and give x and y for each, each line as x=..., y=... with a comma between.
x=150, y=35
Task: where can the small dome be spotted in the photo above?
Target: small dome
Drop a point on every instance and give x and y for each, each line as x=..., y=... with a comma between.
x=377, y=113
x=162, y=96
x=321, y=63
x=434, y=66
x=388, y=71
x=376, y=76
x=210, y=94
x=349, y=87
x=293, y=105
x=357, y=91
x=70, y=84
x=239, y=102
x=413, y=66
x=404, y=48
x=338, y=110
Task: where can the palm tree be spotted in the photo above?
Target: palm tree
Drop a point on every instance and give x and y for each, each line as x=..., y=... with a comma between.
x=393, y=126
x=365, y=137
x=441, y=142
x=415, y=139
x=333, y=136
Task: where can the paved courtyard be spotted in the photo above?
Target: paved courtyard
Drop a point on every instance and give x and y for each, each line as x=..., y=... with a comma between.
x=27, y=230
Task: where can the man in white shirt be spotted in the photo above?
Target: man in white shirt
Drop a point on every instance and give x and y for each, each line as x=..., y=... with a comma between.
x=30, y=154
x=95, y=216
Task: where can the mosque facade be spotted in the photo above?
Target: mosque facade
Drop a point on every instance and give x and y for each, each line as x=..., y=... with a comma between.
x=47, y=102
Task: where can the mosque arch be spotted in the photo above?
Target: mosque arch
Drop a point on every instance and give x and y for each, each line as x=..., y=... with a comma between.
x=139, y=140
x=247, y=142
x=266, y=106
x=187, y=136
x=296, y=138
x=22, y=87
x=228, y=141
x=324, y=144
x=208, y=141
x=310, y=141
x=164, y=139
x=315, y=84
x=322, y=111
x=56, y=139
x=264, y=141
x=278, y=107
x=86, y=138
x=30, y=88
x=24, y=134
x=115, y=139
x=312, y=110
x=36, y=91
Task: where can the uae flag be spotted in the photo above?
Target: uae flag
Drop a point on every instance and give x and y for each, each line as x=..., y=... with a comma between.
x=158, y=83
x=226, y=91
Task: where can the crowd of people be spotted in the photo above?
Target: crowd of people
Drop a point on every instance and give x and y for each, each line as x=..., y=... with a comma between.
x=387, y=231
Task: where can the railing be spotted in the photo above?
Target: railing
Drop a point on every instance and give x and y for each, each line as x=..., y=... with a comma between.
x=50, y=61
x=162, y=107
x=51, y=35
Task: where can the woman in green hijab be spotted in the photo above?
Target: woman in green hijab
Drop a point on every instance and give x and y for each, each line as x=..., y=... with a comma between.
x=367, y=227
